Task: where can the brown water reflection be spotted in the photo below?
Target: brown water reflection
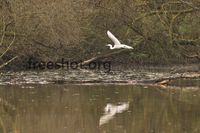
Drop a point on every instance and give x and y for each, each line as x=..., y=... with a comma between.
x=78, y=109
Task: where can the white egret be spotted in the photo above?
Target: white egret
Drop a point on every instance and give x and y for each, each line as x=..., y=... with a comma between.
x=111, y=110
x=117, y=44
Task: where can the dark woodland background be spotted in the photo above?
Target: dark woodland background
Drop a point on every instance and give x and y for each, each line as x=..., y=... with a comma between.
x=162, y=32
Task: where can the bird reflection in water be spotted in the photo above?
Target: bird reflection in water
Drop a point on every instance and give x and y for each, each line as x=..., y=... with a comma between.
x=111, y=110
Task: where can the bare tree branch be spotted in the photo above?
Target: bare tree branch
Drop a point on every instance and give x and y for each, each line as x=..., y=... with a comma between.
x=197, y=55
x=167, y=12
x=4, y=64
x=189, y=4
x=3, y=32
x=8, y=47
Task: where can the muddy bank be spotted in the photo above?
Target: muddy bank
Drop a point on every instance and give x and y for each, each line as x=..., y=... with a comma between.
x=133, y=77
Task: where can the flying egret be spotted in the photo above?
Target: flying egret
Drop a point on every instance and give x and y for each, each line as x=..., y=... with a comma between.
x=117, y=44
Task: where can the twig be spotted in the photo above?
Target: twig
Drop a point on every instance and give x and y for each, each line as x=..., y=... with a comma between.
x=189, y=4
x=8, y=47
x=171, y=27
x=193, y=56
x=167, y=12
x=2, y=125
x=3, y=32
x=4, y=64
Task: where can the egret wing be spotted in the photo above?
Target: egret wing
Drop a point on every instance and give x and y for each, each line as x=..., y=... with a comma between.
x=113, y=38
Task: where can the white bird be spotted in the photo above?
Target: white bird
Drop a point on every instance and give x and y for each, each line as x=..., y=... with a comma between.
x=111, y=110
x=117, y=44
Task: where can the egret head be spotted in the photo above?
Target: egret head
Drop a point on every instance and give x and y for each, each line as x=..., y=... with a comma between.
x=109, y=45
x=108, y=108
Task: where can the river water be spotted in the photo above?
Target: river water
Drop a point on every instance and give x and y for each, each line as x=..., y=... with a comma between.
x=31, y=103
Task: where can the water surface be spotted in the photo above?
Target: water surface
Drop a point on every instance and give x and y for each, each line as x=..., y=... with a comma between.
x=64, y=108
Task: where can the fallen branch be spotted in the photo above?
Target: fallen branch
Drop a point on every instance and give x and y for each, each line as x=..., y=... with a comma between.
x=166, y=80
x=102, y=56
x=161, y=82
